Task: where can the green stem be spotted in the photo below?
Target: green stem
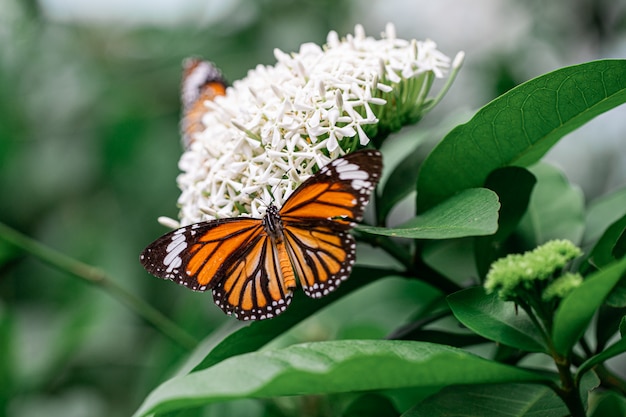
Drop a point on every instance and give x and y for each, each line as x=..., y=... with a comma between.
x=540, y=325
x=456, y=66
x=568, y=391
x=98, y=277
x=535, y=309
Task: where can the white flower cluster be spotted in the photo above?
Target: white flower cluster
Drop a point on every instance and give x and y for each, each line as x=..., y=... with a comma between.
x=280, y=124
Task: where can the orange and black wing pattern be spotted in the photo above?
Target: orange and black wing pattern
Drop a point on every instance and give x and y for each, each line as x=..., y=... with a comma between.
x=193, y=255
x=318, y=215
x=202, y=82
x=252, y=265
x=256, y=284
x=235, y=258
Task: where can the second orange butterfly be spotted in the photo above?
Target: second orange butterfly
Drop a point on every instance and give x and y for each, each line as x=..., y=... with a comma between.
x=202, y=82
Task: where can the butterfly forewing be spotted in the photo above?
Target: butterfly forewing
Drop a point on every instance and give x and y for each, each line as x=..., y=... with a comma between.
x=339, y=191
x=193, y=255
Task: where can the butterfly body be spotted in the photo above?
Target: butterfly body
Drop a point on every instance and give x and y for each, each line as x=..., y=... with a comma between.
x=273, y=224
x=252, y=265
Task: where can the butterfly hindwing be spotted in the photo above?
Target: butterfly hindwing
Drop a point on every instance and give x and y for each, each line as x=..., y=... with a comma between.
x=318, y=215
x=253, y=285
x=322, y=257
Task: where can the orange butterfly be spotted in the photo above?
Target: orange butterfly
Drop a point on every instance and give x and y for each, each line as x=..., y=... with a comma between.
x=202, y=82
x=252, y=265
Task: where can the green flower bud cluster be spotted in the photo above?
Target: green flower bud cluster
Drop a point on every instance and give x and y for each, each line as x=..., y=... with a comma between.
x=538, y=274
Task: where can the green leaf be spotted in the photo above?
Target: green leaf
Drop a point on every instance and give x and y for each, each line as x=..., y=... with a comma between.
x=330, y=367
x=452, y=258
x=602, y=253
x=577, y=309
x=374, y=405
x=503, y=400
x=608, y=322
x=9, y=252
x=401, y=182
x=617, y=297
x=209, y=349
x=442, y=337
x=495, y=319
x=622, y=327
x=513, y=186
x=609, y=404
x=375, y=311
x=236, y=337
x=601, y=213
x=473, y=212
x=9, y=386
x=556, y=209
x=619, y=250
x=404, y=154
x=520, y=126
x=615, y=349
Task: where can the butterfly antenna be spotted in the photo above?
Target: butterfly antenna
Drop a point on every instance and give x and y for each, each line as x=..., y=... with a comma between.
x=271, y=189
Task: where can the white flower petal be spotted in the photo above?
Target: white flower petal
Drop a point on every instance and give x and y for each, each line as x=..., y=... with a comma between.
x=277, y=125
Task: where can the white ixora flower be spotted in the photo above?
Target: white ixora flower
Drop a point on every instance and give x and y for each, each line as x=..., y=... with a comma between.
x=281, y=123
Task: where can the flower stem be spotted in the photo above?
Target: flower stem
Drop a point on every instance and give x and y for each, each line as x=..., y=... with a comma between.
x=568, y=391
x=98, y=277
x=456, y=66
x=539, y=324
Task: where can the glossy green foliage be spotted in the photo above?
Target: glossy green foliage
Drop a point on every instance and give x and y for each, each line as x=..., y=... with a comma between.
x=89, y=147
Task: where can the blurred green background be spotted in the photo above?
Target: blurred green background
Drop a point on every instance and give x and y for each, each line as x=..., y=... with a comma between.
x=89, y=145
